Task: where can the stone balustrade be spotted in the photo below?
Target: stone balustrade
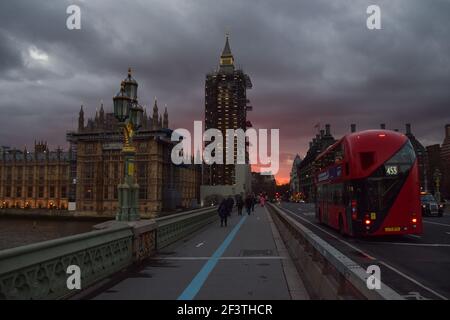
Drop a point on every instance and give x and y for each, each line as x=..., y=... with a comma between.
x=39, y=271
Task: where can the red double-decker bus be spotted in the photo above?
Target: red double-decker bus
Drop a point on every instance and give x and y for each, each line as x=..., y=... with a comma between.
x=367, y=184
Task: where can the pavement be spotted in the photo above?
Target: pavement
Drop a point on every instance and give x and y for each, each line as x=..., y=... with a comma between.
x=245, y=260
x=417, y=267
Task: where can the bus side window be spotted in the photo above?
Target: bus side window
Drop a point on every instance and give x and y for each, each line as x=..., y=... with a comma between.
x=345, y=195
x=347, y=169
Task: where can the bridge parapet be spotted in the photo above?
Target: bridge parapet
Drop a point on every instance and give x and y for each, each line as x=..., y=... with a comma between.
x=174, y=227
x=38, y=271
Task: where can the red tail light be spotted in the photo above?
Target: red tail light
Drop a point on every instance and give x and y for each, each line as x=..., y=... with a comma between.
x=367, y=221
x=414, y=220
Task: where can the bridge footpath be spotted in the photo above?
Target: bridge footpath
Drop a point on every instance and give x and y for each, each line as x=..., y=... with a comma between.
x=245, y=260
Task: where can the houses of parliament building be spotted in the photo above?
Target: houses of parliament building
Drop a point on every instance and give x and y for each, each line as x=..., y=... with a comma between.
x=85, y=178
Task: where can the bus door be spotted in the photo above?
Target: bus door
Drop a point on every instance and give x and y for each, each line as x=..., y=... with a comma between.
x=325, y=204
x=350, y=206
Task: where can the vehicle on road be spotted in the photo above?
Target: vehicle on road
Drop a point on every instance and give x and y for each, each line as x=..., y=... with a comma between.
x=430, y=206
x=367, y=184
x=296, y=197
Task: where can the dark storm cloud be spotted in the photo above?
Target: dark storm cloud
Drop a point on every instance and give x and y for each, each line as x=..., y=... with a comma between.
x=310, y=61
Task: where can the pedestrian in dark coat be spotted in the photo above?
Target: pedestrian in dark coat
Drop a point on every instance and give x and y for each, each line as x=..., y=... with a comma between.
x=230, y=203
x=223, y=212
x=239, y=204
x=253, y=201
x=249, y=203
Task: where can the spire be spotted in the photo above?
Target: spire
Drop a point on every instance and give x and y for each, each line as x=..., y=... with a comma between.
x=226, y=50
x=144, y=118
x=80, y=120
x=101, y=117
x=96, y=116
x=155, y=116
x=227, y=59
x=165, y=123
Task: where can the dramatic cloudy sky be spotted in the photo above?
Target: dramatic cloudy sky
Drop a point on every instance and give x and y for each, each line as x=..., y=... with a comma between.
x=310, y=61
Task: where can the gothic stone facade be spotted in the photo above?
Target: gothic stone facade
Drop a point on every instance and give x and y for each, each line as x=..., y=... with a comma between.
x=162, y=186
x=38, y=179
x=90, y=172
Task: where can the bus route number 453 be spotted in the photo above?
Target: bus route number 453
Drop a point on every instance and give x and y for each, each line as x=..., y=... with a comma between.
x=391, y=170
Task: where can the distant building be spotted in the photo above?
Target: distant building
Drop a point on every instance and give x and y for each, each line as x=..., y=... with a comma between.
x=34, y=179
x=294, y=176
x=445, y=163
x=434, y=163
x=307, y=166
x=422, y=158
x=265, y=184
x=86, y=177
x=225, y=108
x=163, y=186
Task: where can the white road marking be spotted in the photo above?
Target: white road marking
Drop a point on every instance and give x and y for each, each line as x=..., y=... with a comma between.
x=364, y=253
x=307, y=214
x=414, y=281
x=437, y=223
x=415, y=295
x=222, y=258
x=199, y=245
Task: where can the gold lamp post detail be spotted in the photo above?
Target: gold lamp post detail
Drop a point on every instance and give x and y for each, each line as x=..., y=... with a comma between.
x=129, y=114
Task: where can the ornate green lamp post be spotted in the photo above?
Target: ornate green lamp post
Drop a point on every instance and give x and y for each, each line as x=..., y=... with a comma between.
x=437, y=175
x=129, y=114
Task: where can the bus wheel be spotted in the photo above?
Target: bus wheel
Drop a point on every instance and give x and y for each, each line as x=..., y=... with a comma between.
x=341, y=226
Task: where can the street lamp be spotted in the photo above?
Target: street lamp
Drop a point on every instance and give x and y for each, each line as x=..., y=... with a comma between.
x=437, y=175
x=121, y=104
x=129, y=115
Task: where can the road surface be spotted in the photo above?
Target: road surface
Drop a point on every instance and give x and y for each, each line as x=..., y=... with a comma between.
x=416, y=267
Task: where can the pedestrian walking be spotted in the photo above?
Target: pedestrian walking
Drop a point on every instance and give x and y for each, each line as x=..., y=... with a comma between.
x=253, y=197
x=239, y=204
x=223, y=212
x=249, y=203
x=230, y=204
x=262, y=201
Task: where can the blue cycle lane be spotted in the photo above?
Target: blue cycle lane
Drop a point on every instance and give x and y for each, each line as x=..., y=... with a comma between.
x=240, y=261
